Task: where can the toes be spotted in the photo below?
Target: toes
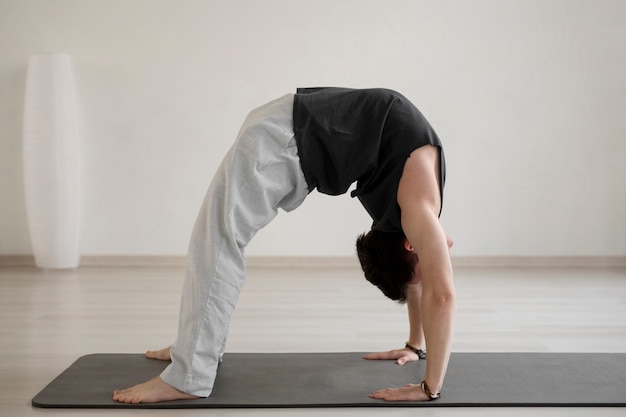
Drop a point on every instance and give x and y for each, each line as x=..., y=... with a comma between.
x=124, y=396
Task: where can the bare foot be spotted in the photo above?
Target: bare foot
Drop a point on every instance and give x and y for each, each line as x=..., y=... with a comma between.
x=162, y=355
x=152, y=391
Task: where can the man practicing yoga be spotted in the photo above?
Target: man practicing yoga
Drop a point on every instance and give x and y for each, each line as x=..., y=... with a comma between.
x=324, y=138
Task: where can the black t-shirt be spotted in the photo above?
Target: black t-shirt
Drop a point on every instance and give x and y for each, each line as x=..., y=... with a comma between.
x=347, y=135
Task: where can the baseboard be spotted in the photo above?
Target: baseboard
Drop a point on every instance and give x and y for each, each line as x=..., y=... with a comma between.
x=180, y=260
x=618, y=262
x=104, y=260
x=539, y=261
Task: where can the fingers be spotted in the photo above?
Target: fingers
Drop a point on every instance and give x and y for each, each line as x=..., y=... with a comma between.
x=410, y=392
x=401, y=356
x=382, y=394
x=392, y=354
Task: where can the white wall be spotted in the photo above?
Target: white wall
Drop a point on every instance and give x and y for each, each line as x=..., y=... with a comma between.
x=529, y=98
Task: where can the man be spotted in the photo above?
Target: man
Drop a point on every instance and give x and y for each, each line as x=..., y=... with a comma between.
x=324, y=139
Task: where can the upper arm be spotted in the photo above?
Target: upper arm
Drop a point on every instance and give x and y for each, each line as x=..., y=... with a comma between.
x=420, y=179
x=419, y=199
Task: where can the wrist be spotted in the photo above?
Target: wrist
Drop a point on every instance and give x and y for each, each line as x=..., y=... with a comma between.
x=421, y=353
x=431, y=395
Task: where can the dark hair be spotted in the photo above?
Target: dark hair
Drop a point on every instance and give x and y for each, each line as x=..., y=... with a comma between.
x=386, y=263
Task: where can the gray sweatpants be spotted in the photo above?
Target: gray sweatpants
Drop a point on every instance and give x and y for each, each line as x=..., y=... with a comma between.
x=260, y=173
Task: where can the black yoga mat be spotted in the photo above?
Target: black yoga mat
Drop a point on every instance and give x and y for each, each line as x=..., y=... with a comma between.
x=345, y=380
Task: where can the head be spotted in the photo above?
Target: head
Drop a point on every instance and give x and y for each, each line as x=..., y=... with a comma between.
x=388, y=262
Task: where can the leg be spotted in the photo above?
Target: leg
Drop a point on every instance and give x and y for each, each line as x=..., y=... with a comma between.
x=260, y=174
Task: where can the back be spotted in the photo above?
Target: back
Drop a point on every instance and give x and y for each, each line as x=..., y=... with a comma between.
x=347, y=135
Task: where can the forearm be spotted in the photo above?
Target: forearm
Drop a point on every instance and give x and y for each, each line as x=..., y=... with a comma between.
x=414, y=301
x=438, y=322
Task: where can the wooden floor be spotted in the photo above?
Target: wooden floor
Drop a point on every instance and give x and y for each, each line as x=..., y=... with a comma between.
x=49, y=319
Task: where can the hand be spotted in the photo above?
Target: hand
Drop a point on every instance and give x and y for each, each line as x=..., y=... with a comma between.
x=411, y=392
x=401, y=356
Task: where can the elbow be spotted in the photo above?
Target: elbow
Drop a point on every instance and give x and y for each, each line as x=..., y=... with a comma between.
x=446, y=300
x=443, y=300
